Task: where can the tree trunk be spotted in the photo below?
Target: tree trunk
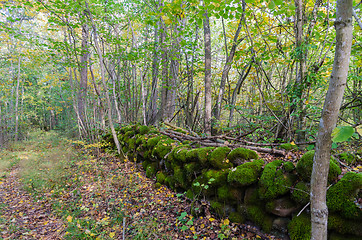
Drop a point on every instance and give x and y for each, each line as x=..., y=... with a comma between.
x=319, y=210
x=17, y=102
x=207, y=42
x=226, y=70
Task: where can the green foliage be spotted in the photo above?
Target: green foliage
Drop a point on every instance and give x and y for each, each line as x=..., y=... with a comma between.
x=160, y=177
x=219, y=176
x=347, y=158
x=246, y=174
x=300, y=193
x=342, y=133
x=289, y=146
x=342, y=197
x=151, y=170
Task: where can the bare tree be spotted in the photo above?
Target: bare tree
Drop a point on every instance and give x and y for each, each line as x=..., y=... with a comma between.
x=207, y=42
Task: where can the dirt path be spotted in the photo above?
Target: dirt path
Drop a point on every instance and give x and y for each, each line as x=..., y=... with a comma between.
x=23, y=218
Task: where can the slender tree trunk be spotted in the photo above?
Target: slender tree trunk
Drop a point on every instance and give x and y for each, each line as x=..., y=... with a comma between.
x=226, y=70
x=208, y=106
x=109, y=105
x=17, y=102
x=319, y=210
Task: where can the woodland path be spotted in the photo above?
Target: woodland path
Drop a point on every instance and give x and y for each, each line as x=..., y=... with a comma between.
x=52, y=191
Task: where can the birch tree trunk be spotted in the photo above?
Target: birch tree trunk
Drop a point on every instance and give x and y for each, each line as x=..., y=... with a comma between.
x=319, y=210
x=207, y=42
x=17, y=102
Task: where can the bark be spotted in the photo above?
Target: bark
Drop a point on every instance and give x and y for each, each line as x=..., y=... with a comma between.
x=17, y=102
x=207, y=43
x=226, y=70
x=333, y=100
x=108, y=101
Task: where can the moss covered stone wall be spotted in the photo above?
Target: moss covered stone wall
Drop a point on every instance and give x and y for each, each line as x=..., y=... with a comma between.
x=243, y=187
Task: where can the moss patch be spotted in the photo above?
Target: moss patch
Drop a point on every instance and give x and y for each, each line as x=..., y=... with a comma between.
x=343, y=225
x=218, y=158
x=305, y=167
x=274, y=181
x=347, y=158
x=342, y=197
x=246, y=174
x=240, y=155
x=300, y=193
x=162, y=148
x=219, y=176
x=151, y=170
x=288, y=146
x=236, y=217
x=224, y=193
x=259, y=217
x=203, y=154
x=160, y=177
x=300, y=227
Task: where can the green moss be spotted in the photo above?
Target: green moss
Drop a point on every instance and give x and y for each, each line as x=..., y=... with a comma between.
x=288, y=166
x=236, y=217
x=224, y=193
x=300, y=193
x=192, y=168
x=342, y=197
x=145, y=164
x=252, y=196
x=218, y=158
x=170, y=182
x=158, y=185
x=343, y=225
x=288, y=146
x=347, y=158
x=203, y=155
x=152, y=142
x=179, y=153
x=191, y=156
x=274, y=181
x=190, y=194
x=198, y=187
x=180, y=178
x=257, y=215
x=305, y=167
x=151, y=170
x=162, y=148
x=143, y=130
x=241, y=155
x=218, y=208
x=160, y=177
x=246, y=174
x=300, y=227
x=220, y=177
x=131, y=144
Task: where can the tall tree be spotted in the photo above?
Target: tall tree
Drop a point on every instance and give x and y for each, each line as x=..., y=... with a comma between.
x=207, y=42
x=332, y=104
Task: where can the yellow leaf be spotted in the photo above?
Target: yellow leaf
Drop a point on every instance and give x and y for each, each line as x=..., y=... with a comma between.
x=292, y=143
x=226, y=222
x=112, y=234
x=211, y=219
x=167, y=19
x=69, y=218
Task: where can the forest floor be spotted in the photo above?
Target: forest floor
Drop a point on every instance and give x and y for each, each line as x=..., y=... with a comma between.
x=50, y=190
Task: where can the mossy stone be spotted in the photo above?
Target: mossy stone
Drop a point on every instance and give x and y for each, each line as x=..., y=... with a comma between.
x=131, y=144
x=162, y=148
x=347, y=158
x=217, y=207
x=288, y=166
x=305, y=166
x=218, y=158
x=274, y=181
x=145, y=164
x=179, y=153
x=246, y=174
x=170, y=182
x=203, y=155
x=180, y=178
x=342, y=197
x=300, y=227
x=152, y=142
x=252, y=196
x=261, y=218
x=219, y=176
x=191, y=156
x=236, y=217
x=151, y=170
x=300, y=193
x=160, y=177
x=288, y=146
x=143, y=130
x=190, y=194
x=337, y=236
x=240, y=155
x=343, y=225
x=157, y=185
x=192, y=168
x=198, y=187
x=224, y=193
